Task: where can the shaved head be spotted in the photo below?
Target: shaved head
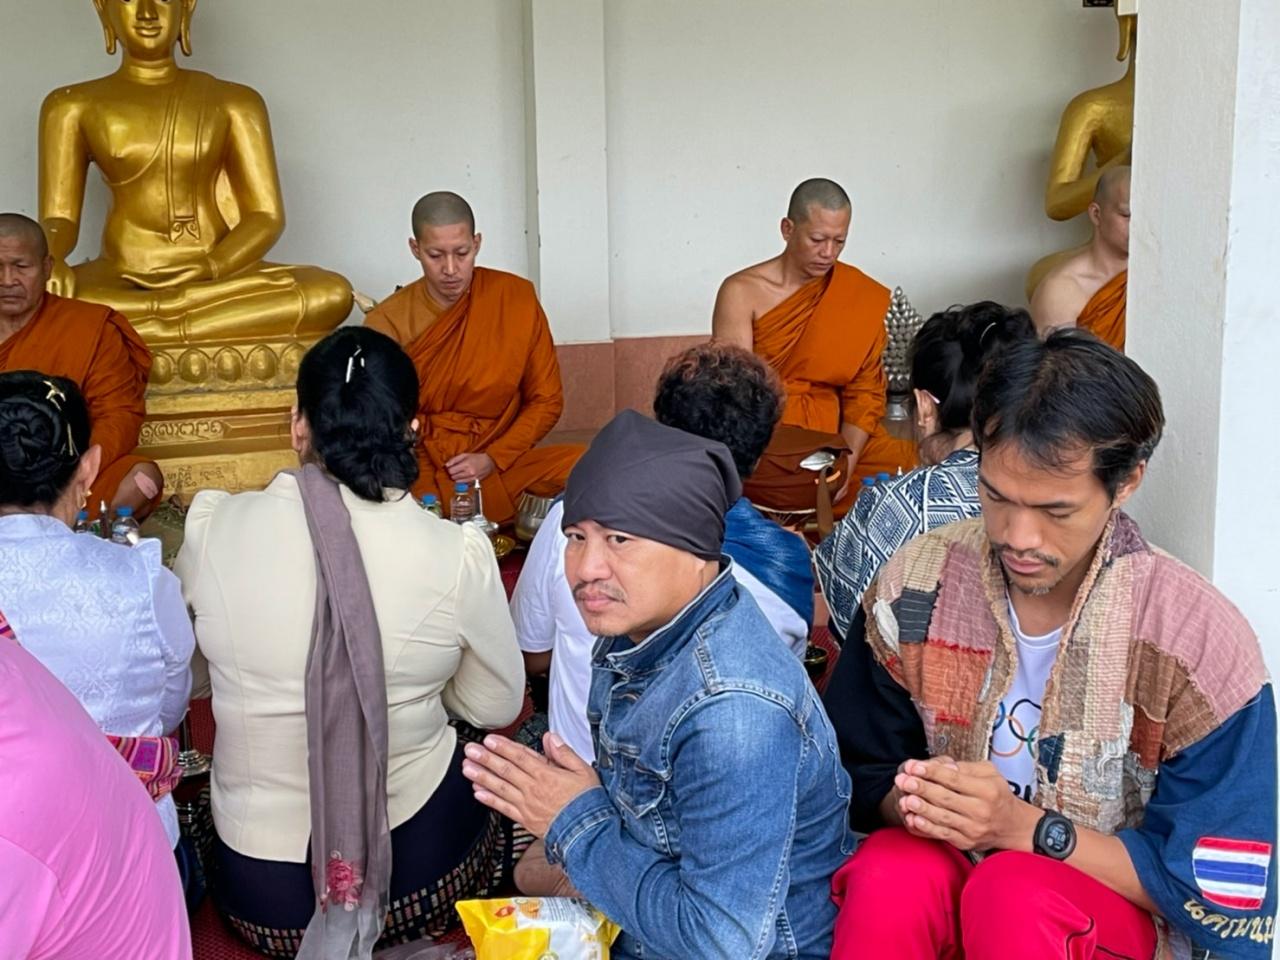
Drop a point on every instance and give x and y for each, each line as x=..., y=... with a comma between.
x=442, y=209
x=817, y=192
x=1109, y=185
x=15, y=226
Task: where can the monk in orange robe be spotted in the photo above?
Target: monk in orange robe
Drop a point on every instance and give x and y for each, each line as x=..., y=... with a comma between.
x=489, y=378
x=1089, y=289
x=1103, y=315
x=820, y=323
x=91, y=344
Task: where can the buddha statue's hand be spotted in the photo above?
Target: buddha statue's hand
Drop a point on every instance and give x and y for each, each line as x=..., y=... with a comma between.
x=177, y=275
x=62, y=280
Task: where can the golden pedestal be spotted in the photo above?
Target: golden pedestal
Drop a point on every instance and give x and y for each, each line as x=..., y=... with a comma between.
x=218, y=414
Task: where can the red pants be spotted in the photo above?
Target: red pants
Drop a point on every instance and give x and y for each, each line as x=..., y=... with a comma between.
x=912, y=899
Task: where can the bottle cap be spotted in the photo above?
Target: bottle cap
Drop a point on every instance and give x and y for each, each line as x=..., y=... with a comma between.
x=460, y=487
x=124, y=511
x=868, y=481
x=428, y=498
x=883, y=476
x=82, y=515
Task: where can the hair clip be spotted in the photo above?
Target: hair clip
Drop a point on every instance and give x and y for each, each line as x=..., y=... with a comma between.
x=56, y=398
x=982, y=338
x=351, y=360
x=55, y=395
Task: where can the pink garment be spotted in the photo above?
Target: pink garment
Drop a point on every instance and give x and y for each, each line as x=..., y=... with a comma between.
x=908, y=898
x=86, y=871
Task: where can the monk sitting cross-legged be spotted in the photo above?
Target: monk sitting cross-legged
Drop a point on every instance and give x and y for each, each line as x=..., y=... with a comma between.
x=1089, y=290
x=820, y=323
x=91, y=344
x=490, y=381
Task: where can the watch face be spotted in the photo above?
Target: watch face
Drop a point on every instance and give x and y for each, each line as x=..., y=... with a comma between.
x=1057, y=835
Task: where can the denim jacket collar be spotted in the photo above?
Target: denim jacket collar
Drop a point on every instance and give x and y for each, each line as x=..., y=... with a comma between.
x=662, y=646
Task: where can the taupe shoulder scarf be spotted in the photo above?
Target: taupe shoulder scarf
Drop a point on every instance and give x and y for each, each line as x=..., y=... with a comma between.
x=346, y=703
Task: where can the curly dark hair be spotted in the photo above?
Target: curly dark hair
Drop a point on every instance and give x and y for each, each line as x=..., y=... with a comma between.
x=1067, y=393
x=722, y=392
x=359, y=393
x=44, y=431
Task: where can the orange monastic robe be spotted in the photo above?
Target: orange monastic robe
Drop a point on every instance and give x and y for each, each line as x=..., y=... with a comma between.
x=1103, y=315
x=826, y=341
x=489, y=383
x=97, y=348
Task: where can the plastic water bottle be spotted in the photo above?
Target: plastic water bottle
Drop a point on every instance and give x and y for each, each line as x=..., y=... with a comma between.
x=125, y=529
x=463, y=507
x=84, y=525
x=432, y=505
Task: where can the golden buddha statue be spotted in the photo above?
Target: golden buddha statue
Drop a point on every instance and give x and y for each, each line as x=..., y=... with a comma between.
x=1098, y=122
x=195, y=207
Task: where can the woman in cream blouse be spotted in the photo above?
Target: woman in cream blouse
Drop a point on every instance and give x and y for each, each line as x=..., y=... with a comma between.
x=248, y=571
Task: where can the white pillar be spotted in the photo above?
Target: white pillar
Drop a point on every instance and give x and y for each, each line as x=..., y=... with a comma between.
x=568, y=191
x=1204, y=290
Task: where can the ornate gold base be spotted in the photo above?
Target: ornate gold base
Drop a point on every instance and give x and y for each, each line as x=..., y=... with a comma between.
x=218, y=413
x=234, y=440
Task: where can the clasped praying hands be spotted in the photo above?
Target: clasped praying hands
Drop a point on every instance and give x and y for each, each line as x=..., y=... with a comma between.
x=522, y=784
x=969, y=805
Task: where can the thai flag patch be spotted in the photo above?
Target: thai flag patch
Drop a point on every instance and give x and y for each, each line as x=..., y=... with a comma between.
x=1232, y=873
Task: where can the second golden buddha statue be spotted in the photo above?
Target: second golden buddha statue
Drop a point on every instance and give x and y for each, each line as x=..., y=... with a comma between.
x=1095, y=134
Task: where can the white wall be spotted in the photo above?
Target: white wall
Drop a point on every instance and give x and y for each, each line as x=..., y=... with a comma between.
x=1177, y=274
x=937, y=116
x=1204, y=316
x=372, y=105
x=1248, y=501
x=567, y=142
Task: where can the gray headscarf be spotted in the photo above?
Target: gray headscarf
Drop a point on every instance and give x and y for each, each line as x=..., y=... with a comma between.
x=656, y=482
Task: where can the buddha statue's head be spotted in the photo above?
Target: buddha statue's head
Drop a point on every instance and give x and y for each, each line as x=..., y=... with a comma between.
x=147, y=28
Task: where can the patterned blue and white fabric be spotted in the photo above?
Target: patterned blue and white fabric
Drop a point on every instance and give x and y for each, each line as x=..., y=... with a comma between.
x=107, y=620
x=883, y=519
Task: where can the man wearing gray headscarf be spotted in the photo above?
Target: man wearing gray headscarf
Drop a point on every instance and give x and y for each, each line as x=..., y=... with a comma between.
x=715, y=814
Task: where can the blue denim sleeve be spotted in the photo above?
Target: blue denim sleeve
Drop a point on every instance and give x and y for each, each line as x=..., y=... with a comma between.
x=1205, y=852
x=734, y=764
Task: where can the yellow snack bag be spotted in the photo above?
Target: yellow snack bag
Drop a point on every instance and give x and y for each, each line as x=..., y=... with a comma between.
x=537, y=928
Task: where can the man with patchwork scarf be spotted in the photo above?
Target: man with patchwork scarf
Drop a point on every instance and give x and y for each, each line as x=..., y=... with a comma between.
x=1065, y=736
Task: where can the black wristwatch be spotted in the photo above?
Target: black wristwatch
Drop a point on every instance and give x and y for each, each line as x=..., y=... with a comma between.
x=1055, y=836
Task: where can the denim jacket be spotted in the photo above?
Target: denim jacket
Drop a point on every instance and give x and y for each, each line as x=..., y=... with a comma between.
x=721, y=814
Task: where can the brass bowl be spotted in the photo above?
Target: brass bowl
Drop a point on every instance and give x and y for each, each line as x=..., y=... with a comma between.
x=502, y=545
x=815, y=662
x=530, y=512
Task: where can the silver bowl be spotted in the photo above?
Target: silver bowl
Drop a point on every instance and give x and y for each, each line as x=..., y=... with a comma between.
x=530, y=512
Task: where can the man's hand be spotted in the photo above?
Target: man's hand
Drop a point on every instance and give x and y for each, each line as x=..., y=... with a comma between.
x=523, y=785
x=469, y=467
x=890, y=806
x=969, y=805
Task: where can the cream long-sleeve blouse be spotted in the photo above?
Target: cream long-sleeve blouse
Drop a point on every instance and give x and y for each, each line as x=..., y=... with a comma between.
x=248, y=573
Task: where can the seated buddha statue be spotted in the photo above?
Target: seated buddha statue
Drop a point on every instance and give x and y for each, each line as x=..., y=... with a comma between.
x=1096, y=126
x=195, y=204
